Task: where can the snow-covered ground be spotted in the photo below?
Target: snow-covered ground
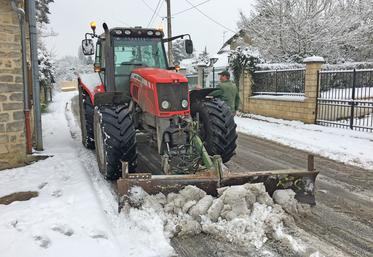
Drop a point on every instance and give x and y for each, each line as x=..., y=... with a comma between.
x=351, y=147
x=75, y=213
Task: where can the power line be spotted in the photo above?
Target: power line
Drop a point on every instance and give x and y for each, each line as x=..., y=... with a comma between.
x=151, y=8
x=191, y=8
x=160, y=8
x=147, y=5
x=208, y=17
x=154, y=13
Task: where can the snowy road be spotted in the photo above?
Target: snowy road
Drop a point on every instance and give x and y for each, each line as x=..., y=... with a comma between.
x=343, y=217
x=342, y=222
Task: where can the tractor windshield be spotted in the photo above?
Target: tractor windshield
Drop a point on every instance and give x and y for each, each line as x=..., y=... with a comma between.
x=132, y=53
x=146, y=52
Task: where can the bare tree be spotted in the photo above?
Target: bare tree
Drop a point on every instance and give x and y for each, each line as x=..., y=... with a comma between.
x=289, y=30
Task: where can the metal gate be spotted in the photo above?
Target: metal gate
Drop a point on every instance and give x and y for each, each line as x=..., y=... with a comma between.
x=345, y=99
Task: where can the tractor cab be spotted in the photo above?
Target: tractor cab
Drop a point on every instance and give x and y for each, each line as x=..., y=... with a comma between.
x=136, y=52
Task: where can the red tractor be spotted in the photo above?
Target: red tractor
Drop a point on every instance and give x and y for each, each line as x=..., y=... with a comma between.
x=135, y=92
x=135, y=96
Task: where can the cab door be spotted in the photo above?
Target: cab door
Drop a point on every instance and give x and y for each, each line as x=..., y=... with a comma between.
x=100, y=60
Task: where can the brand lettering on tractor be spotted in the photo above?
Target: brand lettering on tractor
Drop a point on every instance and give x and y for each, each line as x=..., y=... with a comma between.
x=141, y=80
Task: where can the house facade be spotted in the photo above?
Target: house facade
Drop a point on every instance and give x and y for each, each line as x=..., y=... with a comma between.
x=12, y=120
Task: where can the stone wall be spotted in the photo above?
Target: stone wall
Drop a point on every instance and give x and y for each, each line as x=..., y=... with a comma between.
x=281, y=109
x=12, y=125
x=302, y=109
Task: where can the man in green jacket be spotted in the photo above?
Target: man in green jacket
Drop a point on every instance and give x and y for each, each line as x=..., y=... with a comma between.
x=227, y=91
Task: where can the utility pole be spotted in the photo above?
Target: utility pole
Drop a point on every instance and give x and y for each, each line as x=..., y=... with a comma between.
x=169, y=33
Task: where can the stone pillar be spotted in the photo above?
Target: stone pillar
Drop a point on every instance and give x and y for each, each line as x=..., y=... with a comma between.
x=313, y=65
x=200, y=72
x=245, y=90
x=12, y=122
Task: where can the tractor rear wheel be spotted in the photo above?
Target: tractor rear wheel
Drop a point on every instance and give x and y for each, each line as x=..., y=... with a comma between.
x=115, y=136
x=217, y=127
x=86, y=119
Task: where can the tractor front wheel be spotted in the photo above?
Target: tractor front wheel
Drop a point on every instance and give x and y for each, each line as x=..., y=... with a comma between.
x=115, y=140
x=217, y=127
x=86, y=119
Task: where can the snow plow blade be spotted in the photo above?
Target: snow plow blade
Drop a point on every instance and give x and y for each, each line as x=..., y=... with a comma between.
x=301, y=181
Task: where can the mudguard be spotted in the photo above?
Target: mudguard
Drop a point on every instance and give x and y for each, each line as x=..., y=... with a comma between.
x=112, y=98
x=199, y=94
x=91, y=83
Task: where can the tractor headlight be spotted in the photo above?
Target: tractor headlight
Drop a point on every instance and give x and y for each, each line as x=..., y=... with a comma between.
x=184, y=103
x=165, y=105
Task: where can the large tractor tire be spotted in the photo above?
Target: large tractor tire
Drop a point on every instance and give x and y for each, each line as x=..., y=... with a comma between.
x=86, y=119
x=217, y=127
x=115, y=136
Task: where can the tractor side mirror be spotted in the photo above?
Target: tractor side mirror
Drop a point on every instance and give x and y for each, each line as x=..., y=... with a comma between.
x=88, y=47
x=188, y=46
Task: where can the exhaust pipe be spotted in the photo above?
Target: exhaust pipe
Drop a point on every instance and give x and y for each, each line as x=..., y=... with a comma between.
x=109, y=54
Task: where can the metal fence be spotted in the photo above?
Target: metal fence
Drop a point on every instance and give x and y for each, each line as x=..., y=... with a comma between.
x=279, y=82
x=345, y=99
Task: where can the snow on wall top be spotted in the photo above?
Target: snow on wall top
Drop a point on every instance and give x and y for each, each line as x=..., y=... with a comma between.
x=314, y=59
x=279, y=66
x=290, y=98
x=348, y=66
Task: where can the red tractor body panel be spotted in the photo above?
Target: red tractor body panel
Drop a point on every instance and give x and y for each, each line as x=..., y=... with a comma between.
x=92, y=84
x=143, y=89
x=156, y=75
x=143, y=86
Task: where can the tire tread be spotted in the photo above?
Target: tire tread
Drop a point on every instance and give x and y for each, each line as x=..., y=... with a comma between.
x=119, y=137
x=221, y=129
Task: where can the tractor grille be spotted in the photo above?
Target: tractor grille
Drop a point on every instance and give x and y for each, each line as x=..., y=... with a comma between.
x=174, y=93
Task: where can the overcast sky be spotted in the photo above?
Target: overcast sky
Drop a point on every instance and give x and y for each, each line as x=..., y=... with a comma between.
x=70, y=19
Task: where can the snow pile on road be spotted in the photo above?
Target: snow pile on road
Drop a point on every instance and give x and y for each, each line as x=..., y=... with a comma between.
x=243, y=214
x=286, y=198
x=347, y=146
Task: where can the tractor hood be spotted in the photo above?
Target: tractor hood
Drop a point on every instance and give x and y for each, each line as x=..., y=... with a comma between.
x=156, y=75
